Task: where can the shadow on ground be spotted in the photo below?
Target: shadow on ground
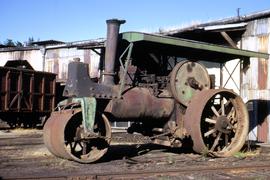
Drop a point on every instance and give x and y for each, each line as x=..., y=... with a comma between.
x=122, y=151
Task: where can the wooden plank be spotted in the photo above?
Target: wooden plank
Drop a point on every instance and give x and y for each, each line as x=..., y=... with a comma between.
x=228, y=39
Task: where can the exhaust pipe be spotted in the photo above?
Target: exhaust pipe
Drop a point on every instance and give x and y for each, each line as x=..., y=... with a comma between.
x=113, y=26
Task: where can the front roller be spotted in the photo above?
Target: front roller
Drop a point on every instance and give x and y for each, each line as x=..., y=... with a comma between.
x=217, y=121
x=65, y=137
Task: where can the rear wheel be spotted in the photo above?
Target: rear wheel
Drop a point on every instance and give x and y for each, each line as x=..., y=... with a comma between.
x=217, y=121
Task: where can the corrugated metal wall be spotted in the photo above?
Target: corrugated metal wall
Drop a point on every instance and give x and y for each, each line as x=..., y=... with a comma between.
x=256, y=80
x=56, y=60
x=34, y=57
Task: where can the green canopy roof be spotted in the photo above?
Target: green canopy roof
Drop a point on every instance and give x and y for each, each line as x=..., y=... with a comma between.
x=188, y=48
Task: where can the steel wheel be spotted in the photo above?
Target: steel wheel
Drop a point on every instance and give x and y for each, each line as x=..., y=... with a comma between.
x=217, y=121
x=64, y=136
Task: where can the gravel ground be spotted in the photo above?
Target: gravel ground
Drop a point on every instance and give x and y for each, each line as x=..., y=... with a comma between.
x=23, y=155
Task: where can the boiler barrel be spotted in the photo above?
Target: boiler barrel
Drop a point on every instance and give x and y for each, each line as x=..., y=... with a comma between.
x=140, y=103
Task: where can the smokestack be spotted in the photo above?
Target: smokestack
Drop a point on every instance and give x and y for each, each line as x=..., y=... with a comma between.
x=113, y=26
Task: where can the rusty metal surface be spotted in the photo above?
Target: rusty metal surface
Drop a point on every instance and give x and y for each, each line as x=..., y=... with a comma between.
x=255, y=88
x=217, y=121
x=26, y=91
x=79, y=84
x=64, y=137
x=25, y=95
x=54, y=132
x=263, y=83
x=187, y=77
x=47, y=135
x=140, y=103
x=263, y=63
x=113, y=26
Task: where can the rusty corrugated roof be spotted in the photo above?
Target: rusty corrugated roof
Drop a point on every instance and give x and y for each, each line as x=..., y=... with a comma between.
x=232, y=20
x=47, y=42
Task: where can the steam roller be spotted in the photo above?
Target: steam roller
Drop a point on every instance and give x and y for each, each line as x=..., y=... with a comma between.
x=142, y=80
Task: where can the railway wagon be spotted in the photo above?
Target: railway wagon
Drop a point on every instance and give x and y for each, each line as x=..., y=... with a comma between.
x=156, y=82
x=27, y=97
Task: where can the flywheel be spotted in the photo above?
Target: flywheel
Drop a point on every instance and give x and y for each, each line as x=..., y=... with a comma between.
x=64, y=136
x=217, y=121
x=186, y=78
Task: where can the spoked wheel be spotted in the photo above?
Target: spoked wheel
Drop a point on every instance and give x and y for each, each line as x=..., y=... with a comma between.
x=65, y=137
x=217, y=121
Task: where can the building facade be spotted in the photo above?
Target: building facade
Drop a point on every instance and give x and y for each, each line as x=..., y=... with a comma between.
x=53, y=57
x=249, y=78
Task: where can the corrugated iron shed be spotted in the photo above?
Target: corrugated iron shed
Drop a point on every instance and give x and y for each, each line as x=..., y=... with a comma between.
x=256, y=80
x=249, y=32
x=234, y=27
x=232, y=20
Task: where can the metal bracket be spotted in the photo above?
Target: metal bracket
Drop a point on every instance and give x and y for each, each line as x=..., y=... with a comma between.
x=88, y=107
x=127, y=62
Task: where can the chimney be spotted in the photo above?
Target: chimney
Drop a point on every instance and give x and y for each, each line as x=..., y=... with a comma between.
x=113, y=26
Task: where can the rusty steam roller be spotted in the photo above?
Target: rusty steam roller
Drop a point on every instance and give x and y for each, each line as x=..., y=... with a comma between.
x=157, y=83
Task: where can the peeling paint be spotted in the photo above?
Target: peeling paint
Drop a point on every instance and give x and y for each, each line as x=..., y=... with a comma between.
x=256, y=81
x=262, y=63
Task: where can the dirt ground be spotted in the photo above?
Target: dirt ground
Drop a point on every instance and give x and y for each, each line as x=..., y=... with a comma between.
x=23, y=155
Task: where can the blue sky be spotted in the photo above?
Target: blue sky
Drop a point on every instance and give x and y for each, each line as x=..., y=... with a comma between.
x=72, y=20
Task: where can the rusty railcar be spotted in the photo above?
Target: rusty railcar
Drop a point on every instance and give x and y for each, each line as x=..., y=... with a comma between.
x=157, y=83
x=27, y=97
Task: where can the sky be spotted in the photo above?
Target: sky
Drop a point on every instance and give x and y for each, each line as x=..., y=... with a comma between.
x=75, y=20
